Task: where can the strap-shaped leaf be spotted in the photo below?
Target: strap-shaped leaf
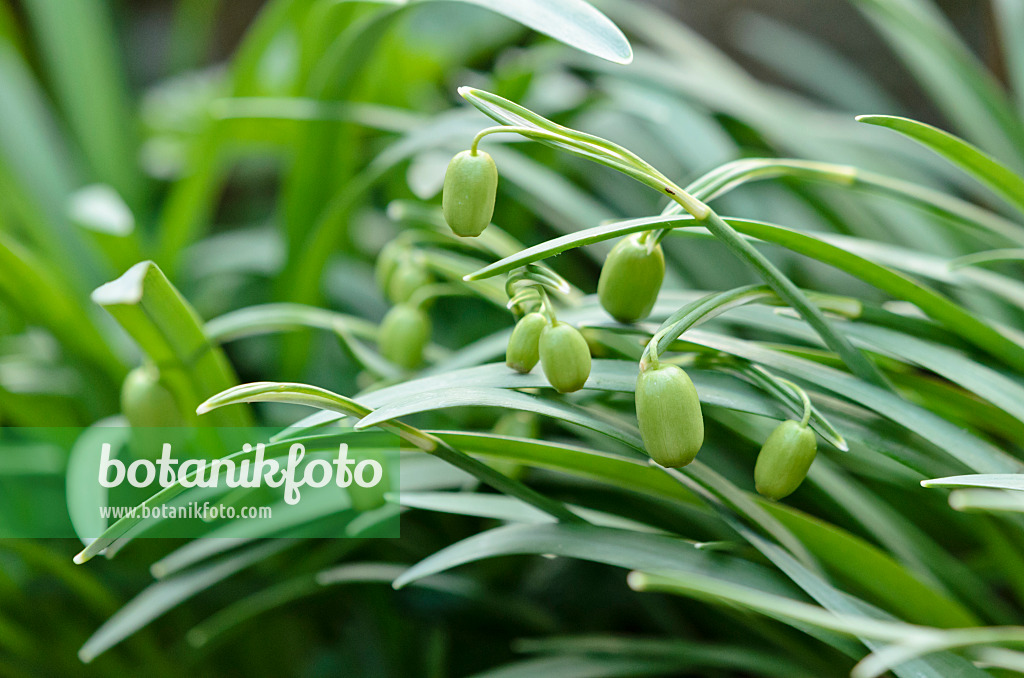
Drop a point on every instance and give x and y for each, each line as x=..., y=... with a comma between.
x=168, y=330
x=968, y=157
x=312, y=396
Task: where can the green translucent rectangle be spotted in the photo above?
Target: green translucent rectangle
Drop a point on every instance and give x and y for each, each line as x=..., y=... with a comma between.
x=195, y=482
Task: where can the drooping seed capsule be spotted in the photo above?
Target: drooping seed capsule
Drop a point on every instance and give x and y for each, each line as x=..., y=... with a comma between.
x=409, y=274
x=524, y=344
x=669, y=414
x=470, y=187
x=145, y=402
x=784, y=459
x=403, y=335
x=631, y=279
x=565, y=357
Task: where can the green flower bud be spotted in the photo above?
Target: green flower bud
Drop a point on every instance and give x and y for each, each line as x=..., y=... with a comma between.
x=470, y=186
x=784, y=459
x=403, y=335
x=146, y=402
x=631, y=279
x=668, y=411
x=565, y=357
x=524, y=344
x=409, y=275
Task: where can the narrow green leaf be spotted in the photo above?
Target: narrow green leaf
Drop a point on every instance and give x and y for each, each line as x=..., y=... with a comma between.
x=987, y=257
x=620, y=548
x=943, y=310
x=983, y=500
x=584, y=666
x=950, y=72
x=705, y=654
x=163, y=596
x=975, y=162
x=79, y=48
x=168, y=330
x=32, y=174
x=574, y=22
x=312, y=396
x=873, y=570
x=507, y=509
x=959, y=444
x=899, y=653
x=1000, y=481
x=55, y=305
x=501, y=398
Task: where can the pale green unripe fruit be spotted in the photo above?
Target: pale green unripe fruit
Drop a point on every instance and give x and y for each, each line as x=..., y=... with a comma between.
x=145, y=402
x=631, y=279
x=470, y=187
x=524, y=344
x=388, y=259
x=565, y=357
x=403, y=335
x=669, y=414
x=408, y=275
x=784, y=459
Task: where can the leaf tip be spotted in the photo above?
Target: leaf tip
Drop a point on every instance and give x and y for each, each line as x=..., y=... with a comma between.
x=637, y=580
x=871, y=118
x=127, y=289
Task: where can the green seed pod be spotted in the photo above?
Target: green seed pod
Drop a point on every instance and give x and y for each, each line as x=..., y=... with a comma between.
x=668, y=411
x=631, y=279
x=388, y=260
x=524, y=344
x=470, y=186
x=409, y=275
x=146, y=402
x=565, y=357
x=403, y=334
x=784, y=459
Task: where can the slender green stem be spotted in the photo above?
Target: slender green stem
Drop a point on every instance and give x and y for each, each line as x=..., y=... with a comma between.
x=804, y=399
x=794, y=397
x=856, y=361
x=561, y=139
x=696, y=312
x=730, y=176
x=547, y=306
x=612, y=155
